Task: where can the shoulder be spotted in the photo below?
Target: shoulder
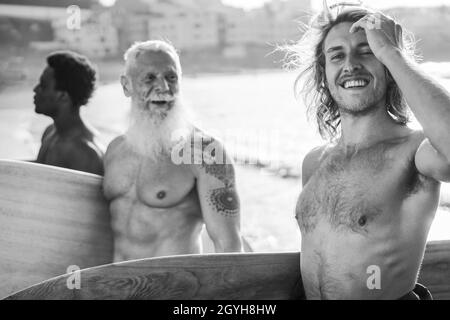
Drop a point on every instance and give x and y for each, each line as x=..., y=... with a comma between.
x=404, y=146
x=79, y=154
x=212, y=148
x=198, y=134
x=115, y=143
x=47, y=131
x=314, y=156
x=79, y=148
x=312, y=161
x=208, y=153
x=411, y=139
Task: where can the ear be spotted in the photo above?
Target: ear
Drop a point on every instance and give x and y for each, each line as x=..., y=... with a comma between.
x=126, y=85
x=63, y=96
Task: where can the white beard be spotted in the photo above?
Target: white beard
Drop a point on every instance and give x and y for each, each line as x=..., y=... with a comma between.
x=152, y=135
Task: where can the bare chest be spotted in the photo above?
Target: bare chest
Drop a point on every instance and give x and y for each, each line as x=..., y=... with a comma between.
x=154, y=183
x=353, y=193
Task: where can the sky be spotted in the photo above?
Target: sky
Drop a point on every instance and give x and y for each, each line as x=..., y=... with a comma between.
x=248, y=4
x=317, y=4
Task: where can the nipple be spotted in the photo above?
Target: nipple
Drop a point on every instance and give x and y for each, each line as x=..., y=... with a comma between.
x=161, y=195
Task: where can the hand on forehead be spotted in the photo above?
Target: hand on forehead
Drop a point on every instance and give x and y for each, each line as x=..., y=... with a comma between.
x=340, y=36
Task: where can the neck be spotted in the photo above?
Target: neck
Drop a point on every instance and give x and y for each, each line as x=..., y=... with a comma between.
x=368, y=129
x=68, y=120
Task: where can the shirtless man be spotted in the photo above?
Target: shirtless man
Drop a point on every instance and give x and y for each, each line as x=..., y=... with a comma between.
x=65, y=85
x=370, y=195
x=158, y=204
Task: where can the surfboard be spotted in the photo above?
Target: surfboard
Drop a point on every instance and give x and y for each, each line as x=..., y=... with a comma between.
x=238, y=276
x=244, y=276
x=51, y=219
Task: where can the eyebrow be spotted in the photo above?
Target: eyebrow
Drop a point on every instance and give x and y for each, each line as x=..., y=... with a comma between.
x=337, y=48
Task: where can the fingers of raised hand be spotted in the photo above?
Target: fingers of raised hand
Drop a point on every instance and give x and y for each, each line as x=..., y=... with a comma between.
x=374, y=21
x=398, y=35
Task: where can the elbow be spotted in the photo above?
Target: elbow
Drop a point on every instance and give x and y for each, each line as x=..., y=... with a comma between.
x=230, y=244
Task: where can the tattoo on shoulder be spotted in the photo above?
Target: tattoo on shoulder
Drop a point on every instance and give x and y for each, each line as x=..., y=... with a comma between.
x=214, y=163
x=214, y=160
x=223, y=172
x=225, y=201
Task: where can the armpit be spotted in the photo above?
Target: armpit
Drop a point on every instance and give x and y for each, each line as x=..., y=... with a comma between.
x=418, y=182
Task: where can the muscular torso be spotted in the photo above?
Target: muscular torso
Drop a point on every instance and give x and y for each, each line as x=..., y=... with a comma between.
x=364, y=209
x=154, y=205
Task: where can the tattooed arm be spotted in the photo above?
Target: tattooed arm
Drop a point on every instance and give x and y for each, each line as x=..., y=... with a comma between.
x=219, y=200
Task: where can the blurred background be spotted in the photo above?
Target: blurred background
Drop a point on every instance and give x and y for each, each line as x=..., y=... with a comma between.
x=233, y=82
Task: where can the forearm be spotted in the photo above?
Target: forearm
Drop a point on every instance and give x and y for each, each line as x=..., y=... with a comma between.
x=428, y=100
x=228, y=244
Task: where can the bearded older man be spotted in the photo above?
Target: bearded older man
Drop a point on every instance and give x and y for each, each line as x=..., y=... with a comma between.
x=158, y=204
x=370, y=194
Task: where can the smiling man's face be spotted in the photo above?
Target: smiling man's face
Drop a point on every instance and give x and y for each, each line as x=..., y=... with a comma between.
x=355, y=78
x=155, y=82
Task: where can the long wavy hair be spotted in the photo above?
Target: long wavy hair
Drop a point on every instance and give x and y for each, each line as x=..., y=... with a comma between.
x=307, y=56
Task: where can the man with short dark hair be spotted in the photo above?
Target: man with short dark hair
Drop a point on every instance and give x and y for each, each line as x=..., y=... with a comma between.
x=369, y=195
x=65, y=85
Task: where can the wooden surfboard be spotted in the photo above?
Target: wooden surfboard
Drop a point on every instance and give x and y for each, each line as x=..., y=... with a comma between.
x=212, y=276
x=50, y=219
x=245, y=276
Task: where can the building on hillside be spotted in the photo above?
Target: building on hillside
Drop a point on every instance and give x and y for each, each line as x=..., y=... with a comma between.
x=200, y=24
x=186, y=28
x=97, y=36
x=275, y=22
x=131, y=18
x=188, y=24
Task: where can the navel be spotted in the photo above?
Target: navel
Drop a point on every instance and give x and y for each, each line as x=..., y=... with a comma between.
x=362, y=221
x=161, y=195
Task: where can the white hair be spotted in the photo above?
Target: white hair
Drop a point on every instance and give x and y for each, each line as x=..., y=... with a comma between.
x=153, y=136
x=137, y=48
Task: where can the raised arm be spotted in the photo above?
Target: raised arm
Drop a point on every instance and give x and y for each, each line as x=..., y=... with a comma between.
x=219, y=200
x=428, y=100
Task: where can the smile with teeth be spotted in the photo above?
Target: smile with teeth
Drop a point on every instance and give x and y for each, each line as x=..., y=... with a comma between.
x=360, y=83
x=160, y=99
